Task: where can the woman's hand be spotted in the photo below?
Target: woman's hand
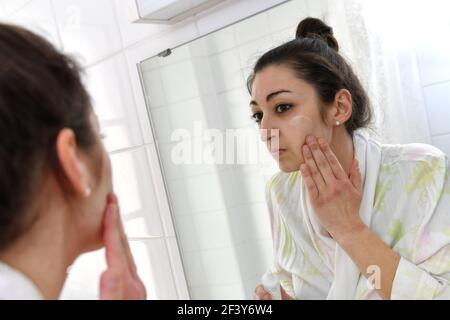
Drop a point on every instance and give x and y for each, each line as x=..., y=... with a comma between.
x=335, y=197
x=120, y=281
x=262, y=294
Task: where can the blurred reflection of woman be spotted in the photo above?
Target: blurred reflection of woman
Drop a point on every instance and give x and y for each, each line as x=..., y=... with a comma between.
x=351, y=218
x=56, y=198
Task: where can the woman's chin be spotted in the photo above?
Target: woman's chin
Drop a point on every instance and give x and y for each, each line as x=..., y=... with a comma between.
x=288, y=166
x=95, y=242
x=290, y=162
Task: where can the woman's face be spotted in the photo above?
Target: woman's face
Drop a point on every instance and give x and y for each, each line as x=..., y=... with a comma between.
x=281, y=101
x=91, y=219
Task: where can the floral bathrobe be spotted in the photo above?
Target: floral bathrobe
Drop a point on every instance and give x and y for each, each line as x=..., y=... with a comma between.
x=406, y=203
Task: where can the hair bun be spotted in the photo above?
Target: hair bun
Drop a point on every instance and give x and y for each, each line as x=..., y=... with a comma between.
x=316, y=28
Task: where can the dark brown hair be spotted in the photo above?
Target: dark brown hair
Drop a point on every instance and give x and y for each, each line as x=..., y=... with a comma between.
x=314, y=57
x=40, y=93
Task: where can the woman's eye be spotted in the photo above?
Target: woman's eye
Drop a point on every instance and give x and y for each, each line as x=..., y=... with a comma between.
x=257, y=117
x=283, y=108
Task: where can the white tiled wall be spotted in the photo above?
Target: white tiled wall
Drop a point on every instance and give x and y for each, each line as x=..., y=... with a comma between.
x=433, y=53
x=99, y=34
x=132, y=177
x=36, y=15
x=88, y=28
x=113, y=101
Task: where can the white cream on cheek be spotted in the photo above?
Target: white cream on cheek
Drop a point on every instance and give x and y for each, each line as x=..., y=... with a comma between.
x=296, y=131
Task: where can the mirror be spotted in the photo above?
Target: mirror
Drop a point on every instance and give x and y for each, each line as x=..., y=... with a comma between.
x=214, y=165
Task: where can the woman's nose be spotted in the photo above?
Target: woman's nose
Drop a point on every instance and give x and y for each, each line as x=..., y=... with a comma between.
x=268, y=133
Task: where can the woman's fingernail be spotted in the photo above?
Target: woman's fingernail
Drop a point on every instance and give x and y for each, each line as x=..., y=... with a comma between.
x=310, y=139
x=306, y=151
x=322, y=142
x=112, y=283
x=110, y=198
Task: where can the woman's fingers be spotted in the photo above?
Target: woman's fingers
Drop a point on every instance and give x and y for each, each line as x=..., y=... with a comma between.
x=120, y=280
x=321, y=160
x=313, y=169
x=336, y=167
x=126, y=247
x=309, y=182
x=118, y=246
x=111, y=287
x=115, y=254
x=262, y=294
x=355, y=175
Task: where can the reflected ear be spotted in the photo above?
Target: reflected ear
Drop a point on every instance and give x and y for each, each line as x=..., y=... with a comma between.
x=342, y=108
x=74, y=169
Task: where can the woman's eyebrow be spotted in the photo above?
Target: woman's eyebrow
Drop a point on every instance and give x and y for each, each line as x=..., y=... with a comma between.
x=270, y=96
x=274, y=94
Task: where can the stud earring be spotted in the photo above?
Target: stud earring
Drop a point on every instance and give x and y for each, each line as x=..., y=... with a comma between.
x=338, y=123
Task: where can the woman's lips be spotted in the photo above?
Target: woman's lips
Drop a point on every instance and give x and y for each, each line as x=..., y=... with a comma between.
x=278, y=153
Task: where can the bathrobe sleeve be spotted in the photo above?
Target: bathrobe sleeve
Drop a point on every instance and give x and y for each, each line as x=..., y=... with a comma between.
x=427, y=281
x=284, y=276
x=424, y=269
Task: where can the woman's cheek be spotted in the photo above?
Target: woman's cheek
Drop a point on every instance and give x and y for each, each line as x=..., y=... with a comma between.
x=297, y=129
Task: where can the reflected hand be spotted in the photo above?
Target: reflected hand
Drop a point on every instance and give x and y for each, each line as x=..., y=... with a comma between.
x=335, y=197
x=120, y=281
x=262, y=294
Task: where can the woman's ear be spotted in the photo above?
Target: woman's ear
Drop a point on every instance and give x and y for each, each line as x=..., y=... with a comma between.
x=74, y=169
x=342, y=108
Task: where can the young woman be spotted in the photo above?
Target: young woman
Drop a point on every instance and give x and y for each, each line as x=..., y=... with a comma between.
x=56, y=198
x=351, y=218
